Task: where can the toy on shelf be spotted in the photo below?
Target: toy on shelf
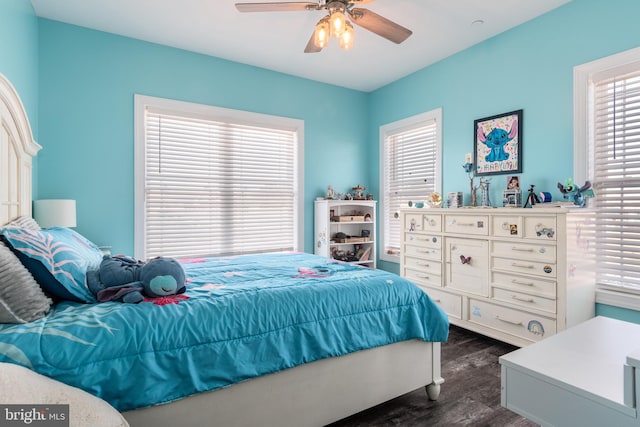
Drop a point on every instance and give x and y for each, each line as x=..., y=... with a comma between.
x=579, y=193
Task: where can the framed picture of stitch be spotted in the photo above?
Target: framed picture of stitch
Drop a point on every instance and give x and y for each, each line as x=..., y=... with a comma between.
x=497, y=144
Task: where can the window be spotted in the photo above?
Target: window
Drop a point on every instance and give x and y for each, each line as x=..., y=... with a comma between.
x=607, y=151
x=409, y=171
x=213, y=181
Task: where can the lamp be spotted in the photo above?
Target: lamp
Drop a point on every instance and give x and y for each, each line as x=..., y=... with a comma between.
x=55, y=212
x=336, y=25
x=346, y=39
x=321, y=35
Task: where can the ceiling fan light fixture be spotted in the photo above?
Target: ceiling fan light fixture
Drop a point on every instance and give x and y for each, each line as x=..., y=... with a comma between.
x=321, y=34
x=346, y=39
x=338, y=23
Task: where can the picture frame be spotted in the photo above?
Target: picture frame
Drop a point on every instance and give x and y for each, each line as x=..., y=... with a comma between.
x=513, y=182
x=497, y=144
x=512, y=198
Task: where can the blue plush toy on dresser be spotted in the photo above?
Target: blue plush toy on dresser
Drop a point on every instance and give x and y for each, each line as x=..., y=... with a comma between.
x=124, y=279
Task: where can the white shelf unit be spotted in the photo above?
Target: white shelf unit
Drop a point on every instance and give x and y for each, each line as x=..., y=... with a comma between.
x=354, y=218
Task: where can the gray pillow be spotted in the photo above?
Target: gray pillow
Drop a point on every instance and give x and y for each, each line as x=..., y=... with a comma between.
x=24, y=222
x=21, y=298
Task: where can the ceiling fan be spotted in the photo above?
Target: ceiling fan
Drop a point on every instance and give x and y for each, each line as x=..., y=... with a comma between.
x=335, y=23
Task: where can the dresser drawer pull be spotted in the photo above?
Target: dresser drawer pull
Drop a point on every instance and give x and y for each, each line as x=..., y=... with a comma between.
x=515, y=248
x=424, y=264
x=517, y=298
x=515, y=264
x=517, y=282
x=465, y=224
x=431, y=222
x=424, y=251
x=437, y=301
x=509, y=321
x=423, y=276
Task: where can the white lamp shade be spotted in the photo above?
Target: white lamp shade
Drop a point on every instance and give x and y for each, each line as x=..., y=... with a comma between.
x=55, y=212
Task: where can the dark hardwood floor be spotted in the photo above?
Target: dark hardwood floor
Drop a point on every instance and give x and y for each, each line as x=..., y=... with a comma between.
x=470, y=395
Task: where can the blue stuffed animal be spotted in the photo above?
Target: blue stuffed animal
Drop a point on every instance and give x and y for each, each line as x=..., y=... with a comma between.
x=124, y=279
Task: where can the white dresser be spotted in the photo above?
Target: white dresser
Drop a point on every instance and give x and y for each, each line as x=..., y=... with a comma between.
x=517, y=275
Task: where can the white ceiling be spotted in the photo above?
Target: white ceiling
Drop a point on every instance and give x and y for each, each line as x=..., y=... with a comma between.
x=276, y=40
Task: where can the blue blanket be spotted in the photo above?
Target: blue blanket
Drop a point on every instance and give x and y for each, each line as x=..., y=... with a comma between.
x=241, y=317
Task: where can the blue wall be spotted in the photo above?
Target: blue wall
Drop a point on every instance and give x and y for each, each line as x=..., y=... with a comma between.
x=87, y=84
x=77, y=86
x=529, y=67
x=19, y=53
x=618, y=313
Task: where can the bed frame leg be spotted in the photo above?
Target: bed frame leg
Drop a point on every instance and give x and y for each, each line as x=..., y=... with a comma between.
x=433, y=389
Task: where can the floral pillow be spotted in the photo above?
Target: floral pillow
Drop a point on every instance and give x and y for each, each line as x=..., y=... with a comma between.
x=58, y=258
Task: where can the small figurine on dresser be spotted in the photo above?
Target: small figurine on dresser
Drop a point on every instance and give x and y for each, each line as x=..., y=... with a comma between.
x=468, y=168
x=331, y=194
x=579, y=193
x=357, y=192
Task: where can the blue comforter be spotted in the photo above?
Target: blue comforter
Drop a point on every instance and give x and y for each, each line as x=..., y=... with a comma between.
x=241, y=317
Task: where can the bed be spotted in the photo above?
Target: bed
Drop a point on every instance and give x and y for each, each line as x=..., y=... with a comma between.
x=271, y=339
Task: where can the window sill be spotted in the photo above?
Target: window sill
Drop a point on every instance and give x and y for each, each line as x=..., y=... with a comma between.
x=618, y=299
x=390, y=258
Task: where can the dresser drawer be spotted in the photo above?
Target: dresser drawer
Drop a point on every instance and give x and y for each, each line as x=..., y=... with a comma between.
x=423, y=265
x=421, y=277
x=525, y=300
x=519, y=250
x=467, y=265
x=423, y=240
x=507, y=226
x=431, y=223
x=413, y=222
x=423, y=252
x=540, y=227
x=477, y=225
x=543, y=269
x=450, y=303
x=529, y=284
x=522, y=324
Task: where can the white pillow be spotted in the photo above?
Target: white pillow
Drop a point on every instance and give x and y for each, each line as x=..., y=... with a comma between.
x=20, y=385
x=24, y=222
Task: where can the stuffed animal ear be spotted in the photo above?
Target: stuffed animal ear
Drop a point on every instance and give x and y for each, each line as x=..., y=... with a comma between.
x=514, y=129
x=481, y=136
x=586, y=186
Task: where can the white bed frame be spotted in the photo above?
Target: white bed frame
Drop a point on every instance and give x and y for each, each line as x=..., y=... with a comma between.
x=313, y=394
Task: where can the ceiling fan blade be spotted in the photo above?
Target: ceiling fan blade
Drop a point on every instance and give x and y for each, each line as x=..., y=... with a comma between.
x=298, y=6
x=311, y=46
x=380, y=25
x=360, y=1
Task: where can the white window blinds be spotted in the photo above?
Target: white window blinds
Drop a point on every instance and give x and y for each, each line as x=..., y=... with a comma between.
x=215, y=187
x=411, y=171
x=616, y=175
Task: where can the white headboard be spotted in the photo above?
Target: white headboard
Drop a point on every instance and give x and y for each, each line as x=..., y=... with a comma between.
x=17, y=148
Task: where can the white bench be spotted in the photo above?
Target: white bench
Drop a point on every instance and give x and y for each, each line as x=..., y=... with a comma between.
x=583, y=376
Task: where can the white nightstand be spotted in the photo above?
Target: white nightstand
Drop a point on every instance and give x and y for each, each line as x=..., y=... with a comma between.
x=578, y=377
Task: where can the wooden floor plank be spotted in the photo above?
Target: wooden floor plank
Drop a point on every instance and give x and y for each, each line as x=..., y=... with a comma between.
x=470, y=395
